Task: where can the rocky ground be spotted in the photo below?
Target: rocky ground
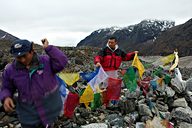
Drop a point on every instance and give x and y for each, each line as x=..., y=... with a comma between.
x=169, y=104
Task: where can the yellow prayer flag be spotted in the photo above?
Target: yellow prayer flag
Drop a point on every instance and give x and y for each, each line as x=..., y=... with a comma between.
x=167, y=59
x=87, y=95
x=87, y=106
x=160, y=81
x=137, y=63
x=69, y=78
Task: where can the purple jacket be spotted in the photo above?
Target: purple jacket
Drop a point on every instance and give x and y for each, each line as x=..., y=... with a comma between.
x=35, y=84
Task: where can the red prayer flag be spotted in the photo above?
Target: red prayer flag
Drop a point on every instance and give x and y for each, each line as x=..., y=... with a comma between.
x=114, y=88
x=71, y=103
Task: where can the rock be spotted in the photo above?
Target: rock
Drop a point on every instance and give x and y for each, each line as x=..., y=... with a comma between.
x=144, y=110
x=188, y=95
x=184, y=125
x=93, y=120
x=63, y=123
x=170, y=101
x=189, y=84
x=127, y=106
x=181, y=102
x=182, y=114
x=161, y=106
x=2, y=114
x=145, y=118
x=78, y=61
x=169, y=91
x=132, y=95
x=190, y=105
x=140, y=125
x=111, y=117
x=142, y=101
x=1, y=54
x=81, y=121
x=131, y=117
x=141, y=97
x=165, y=115
x=95, y=125
x=127, y=119
x=18, y=126
x=77, y=115
x=134, y=116
x=84, y=113
x=70, y=125
x=102, y=117
x=178, y=85
x=114, y=120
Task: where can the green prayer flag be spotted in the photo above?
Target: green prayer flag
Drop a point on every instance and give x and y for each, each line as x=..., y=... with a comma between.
x=167, y=79
x=158, y=72
x=96, y=102
x=129, y=79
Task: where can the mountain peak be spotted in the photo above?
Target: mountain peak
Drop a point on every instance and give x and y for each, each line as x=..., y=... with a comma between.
x=110, y=30
x=145, y=30
x=162, y=24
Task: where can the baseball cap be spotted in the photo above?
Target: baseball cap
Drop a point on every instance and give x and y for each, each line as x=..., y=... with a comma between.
x=20, y=47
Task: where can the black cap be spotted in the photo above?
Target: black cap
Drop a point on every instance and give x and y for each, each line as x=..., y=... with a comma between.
x=20, y=47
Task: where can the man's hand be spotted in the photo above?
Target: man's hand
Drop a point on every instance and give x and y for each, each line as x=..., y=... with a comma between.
x=98, y=64
x=8, y=104
x=45, y=43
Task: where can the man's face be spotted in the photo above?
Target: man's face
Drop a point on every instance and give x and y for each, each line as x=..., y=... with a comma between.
x=112, y=43
x=26, y=58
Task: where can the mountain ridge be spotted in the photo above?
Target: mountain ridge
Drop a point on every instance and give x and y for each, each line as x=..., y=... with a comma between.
x=149, y=37
x=138, y=33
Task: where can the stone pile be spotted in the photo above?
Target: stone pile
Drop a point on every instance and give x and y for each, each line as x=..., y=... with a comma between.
x=162, y=107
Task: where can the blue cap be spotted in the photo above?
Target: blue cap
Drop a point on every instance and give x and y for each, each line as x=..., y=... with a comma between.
x=20, y=47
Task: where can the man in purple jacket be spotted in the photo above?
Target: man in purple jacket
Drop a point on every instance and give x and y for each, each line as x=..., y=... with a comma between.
x=33, y=77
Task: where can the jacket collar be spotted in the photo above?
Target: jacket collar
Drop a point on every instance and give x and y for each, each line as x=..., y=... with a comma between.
x=116, y=47
x=34, y=62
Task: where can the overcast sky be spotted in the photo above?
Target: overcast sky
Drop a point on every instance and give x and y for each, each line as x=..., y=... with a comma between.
x=66, y=22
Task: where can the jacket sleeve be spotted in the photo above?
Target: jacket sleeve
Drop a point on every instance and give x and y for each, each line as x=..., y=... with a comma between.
x=7, y=89
x=129, y=56
x=58, y=59
x=98, y=57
